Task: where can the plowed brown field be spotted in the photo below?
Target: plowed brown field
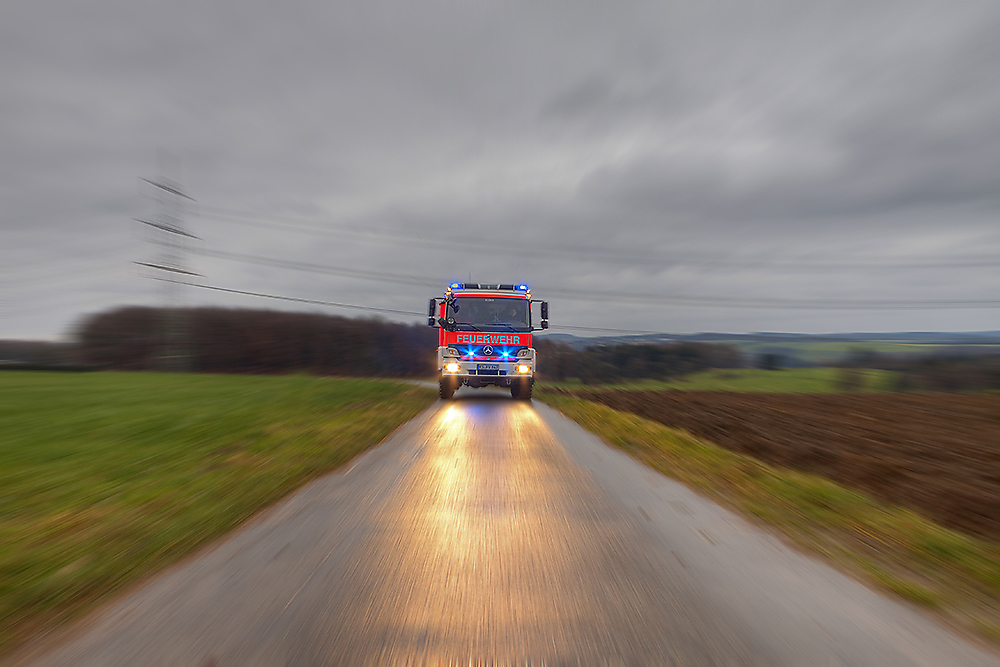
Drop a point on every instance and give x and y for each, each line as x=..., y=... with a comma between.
x=936, y=454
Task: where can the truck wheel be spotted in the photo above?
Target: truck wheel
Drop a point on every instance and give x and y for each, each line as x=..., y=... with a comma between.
x=526, y=389
x=521, y=389
x=446, y=388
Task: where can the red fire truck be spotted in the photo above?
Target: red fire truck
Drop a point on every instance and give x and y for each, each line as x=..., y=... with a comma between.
x=485, y=337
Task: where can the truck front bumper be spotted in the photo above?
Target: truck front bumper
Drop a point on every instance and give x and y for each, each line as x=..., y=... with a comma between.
x=481, y=373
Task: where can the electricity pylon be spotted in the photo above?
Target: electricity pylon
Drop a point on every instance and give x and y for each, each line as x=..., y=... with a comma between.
x=167, y=232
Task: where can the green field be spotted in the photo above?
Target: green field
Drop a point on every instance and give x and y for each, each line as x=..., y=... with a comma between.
x=797, y=380
x=106, y=477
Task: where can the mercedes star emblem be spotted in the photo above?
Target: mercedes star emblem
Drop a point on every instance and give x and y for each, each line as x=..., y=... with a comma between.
x=488, y=350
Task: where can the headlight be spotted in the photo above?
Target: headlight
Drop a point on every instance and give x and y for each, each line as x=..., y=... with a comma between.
x=522, y=353
x=452, y=352
x=451, y=368
x=522, y=369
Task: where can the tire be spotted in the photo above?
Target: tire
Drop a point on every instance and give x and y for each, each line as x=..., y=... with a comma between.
x=446, y=388
x=521, y=390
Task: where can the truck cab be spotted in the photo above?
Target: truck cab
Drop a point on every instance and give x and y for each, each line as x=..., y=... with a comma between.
x=485, y=337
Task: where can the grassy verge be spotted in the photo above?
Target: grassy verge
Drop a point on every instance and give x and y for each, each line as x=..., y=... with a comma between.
x=106, y=477
x=954, y=574
x=791, y=380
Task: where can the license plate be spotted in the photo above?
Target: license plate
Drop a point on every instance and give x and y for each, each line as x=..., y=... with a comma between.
x=487, y=367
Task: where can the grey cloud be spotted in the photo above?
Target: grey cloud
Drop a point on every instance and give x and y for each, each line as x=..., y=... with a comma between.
x=578, y=99
x=715, y=130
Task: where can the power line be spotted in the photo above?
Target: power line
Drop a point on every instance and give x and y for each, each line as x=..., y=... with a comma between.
x=59, y=268
x=415, y=313
x=617, y=297
x=378, y=276
x=628, y=257
x=171, y=269
x=37, y=307
x=167, y=186
x=291, y=298
x=372, y=308
x=608, y=330
x=167, y=228
x=102, y=206
x=772, y=304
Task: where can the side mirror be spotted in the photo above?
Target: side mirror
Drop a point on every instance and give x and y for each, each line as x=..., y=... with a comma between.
x=545, y=310
x=451, y=323
x=430, y=313
x=545, y=324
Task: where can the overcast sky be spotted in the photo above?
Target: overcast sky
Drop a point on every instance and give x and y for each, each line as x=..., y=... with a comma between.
x=677, y=167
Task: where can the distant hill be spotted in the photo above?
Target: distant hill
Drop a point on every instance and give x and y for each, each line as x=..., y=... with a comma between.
x=796, y=349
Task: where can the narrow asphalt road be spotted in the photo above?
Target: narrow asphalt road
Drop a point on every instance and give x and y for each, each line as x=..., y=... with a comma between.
x=495, y=532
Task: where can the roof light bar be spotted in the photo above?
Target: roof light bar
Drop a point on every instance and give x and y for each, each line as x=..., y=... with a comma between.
x=511, y=288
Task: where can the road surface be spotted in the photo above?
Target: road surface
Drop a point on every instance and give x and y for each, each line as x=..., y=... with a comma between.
x=495, y=532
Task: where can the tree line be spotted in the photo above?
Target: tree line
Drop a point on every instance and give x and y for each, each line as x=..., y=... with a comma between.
x=956, y=369
x=227, y=340
x=611, y=363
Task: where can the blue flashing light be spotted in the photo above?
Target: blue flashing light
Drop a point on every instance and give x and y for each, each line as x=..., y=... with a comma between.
x=455, y=286
x=522, y=288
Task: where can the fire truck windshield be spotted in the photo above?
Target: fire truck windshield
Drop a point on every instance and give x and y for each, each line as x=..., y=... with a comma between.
x=482, y=313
